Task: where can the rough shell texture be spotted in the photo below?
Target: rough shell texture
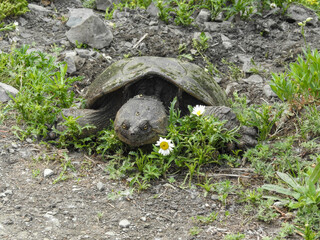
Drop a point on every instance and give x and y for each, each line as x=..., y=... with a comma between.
x=187, y=76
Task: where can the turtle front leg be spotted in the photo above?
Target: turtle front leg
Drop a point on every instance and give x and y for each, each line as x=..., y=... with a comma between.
x=98, y=119
x=249, y=135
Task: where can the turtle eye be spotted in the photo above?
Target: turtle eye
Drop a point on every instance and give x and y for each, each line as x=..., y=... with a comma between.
x=144, y=126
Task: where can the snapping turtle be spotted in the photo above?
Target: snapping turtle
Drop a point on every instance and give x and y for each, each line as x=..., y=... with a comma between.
x=137, y=92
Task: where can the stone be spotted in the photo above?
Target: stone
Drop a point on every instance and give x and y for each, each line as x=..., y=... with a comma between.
x=247, y=64
x=269, y=23
x=226, y=42
x=219, y=18
x=48, y=172
x=267, y=90
x=124, y=223
x=38, y=9
x=300, y=13
x=104, y=4
x=5, y=92
x=88, y=28
x=212, y=26
x=70, y=59
x=203, y=16
x=254, y=79
x=100, y=186
x=153, y=10
x=4, y=96
x=51, y=219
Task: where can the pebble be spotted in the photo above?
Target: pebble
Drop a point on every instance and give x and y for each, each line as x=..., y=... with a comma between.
x=124, y=223
x=268, y=91
x=47, y=172
x=11, y=150
x=100, y=186
x=254, y=79
x=14, y=145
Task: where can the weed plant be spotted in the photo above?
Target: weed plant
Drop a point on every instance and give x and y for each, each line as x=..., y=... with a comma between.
x=301, y=83
x=302, y=193
x=12, y=8
x=43, y=88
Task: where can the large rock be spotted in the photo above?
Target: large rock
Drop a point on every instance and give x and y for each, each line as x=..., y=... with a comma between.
x=88, y=28
x=300, y=13
x=104, y=4
x=6, y=91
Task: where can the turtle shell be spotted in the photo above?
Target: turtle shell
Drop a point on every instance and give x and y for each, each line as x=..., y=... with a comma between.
x=185, y=76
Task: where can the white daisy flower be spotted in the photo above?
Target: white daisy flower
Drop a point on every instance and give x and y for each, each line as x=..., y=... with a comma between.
x=198, y=110
x=273, y=5
x=166, y=146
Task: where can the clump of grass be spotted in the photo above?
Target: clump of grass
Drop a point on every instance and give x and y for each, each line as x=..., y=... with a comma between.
x=44, y=89
x=12, y=8
x=300, y=84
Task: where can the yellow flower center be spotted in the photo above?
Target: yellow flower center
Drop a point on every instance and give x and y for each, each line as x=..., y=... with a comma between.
x=164, y=145
x=199, y=113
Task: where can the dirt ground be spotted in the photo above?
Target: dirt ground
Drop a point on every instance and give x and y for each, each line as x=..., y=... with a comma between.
x=90, y=205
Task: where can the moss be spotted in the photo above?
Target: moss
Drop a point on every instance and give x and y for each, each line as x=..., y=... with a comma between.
x=12, y=8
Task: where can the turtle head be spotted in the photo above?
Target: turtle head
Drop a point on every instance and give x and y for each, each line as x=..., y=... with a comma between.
x=140, y=121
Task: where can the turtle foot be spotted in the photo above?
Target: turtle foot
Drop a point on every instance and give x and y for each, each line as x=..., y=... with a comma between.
x=248, y=135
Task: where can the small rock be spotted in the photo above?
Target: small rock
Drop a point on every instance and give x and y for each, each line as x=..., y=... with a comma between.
x=48, y=172
x=5, y=92
x=84, y=53
x=110, y=234
x=8, y=222
x=53, y=220
x=37, y=8
x=247, y=64
x=100, y=186
x=254, y=79
x=153, y=10
x=203, y=16
x=8, y=192
x=124, y=223
x=104, y=4
x=226, y=42
x=71, y=61
x=11, y=150
x=14, y=145
x=214, y=197
x=212, y=26
x=268, y=91
x=143, y=219
x=153, y=23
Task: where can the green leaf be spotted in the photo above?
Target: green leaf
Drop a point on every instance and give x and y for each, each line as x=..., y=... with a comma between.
x=282, y=190
x=289, y=180
x=315, y=175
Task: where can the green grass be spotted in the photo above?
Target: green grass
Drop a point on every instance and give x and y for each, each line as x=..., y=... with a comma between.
x=288, y=164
